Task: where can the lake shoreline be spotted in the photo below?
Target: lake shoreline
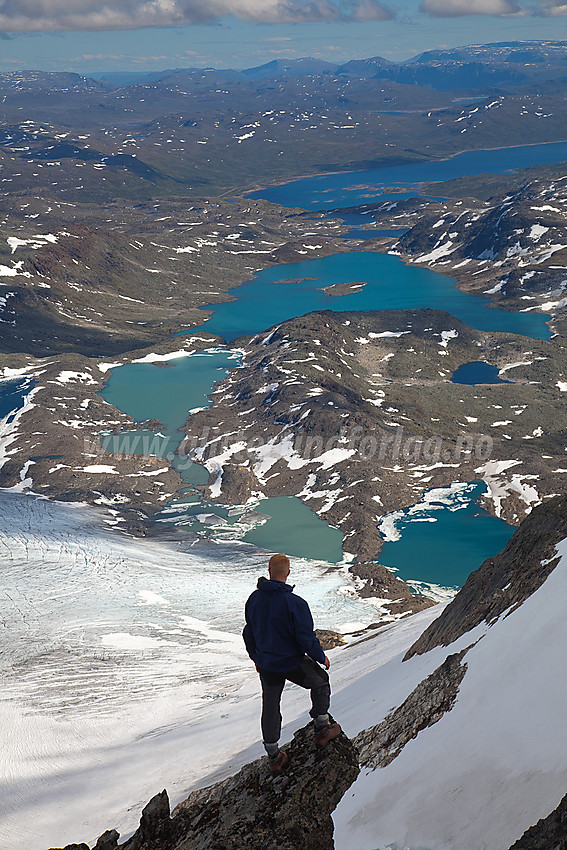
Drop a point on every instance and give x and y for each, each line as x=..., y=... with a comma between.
x=261, y=187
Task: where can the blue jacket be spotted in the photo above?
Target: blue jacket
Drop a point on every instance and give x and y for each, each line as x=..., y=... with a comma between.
x=279, y=628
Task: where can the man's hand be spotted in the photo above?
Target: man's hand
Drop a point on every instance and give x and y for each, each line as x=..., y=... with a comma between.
x=327, y=663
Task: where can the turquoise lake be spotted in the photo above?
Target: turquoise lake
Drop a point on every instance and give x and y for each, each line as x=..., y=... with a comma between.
x=166, y=392
x=265, y=301
x=438, y=544
x=443, y=540
x=318, y=538
x=265, y=523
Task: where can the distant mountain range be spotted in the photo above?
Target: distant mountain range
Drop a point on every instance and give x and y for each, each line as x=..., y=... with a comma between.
x=476, y=66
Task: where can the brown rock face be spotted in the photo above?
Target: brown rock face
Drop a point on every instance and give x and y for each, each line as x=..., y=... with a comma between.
x=504, y=581
x=426, y=704
x=253, y=810
x=237, y=484
x=549, y=833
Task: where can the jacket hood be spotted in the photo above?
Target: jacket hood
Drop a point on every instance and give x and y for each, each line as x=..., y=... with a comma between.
x=268, y=585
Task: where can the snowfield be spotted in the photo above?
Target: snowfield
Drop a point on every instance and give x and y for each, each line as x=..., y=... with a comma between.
x=124, y=673
x=123, y=666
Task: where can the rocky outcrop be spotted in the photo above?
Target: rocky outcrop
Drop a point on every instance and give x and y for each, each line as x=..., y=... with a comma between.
x=292, y=812
x=253, y=810
x=238, y=483
x=549, y=833
x=329, y=639
x=379, y=582
x=505, y=581
x=426, y=704
x=108, y=840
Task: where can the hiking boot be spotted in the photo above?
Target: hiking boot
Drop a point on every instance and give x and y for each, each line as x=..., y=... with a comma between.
x=278, y=763
x=327, y=733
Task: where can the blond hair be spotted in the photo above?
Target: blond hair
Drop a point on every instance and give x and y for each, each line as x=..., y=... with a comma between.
x=279, y=566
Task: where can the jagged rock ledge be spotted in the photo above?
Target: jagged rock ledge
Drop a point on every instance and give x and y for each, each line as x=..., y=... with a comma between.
x=427, y=703
x=549, y=833
x=252, y=810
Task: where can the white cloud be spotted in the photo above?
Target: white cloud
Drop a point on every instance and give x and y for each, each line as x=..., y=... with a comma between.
x=45, y=15
x=370, y=10
x=552, y=7
x=457, y=8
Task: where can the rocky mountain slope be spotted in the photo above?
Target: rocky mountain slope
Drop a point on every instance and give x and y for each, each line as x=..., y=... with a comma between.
x=471, y=755
x=511, y=248
x=194, y=132
x=357, y=414
x=105, y=280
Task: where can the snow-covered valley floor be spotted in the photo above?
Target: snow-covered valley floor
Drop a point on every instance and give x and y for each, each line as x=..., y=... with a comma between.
x=124, y=673
x=120, y=657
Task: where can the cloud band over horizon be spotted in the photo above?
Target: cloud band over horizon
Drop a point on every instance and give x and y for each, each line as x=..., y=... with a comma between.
x=19, y=16
x=51, y=15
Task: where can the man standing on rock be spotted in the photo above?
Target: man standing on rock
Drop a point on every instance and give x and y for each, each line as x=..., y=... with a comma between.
x=280, y=640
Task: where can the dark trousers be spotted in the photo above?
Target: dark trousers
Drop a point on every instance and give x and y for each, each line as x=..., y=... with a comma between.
x=308, y=675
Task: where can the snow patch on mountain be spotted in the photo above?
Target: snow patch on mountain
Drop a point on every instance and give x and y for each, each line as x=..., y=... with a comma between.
x=490, y=767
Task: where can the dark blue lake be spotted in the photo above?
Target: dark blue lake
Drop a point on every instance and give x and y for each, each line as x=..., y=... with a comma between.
x=265, y=301
x=348, y=188
x=477, y=372
x=12, y=396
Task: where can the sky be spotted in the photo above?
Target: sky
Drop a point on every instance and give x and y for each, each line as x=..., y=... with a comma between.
x=89, y=37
